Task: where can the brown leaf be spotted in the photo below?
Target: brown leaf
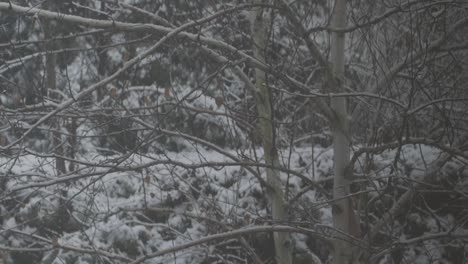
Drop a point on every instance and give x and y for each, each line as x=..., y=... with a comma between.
x=147, y=100
x=18, y=100
x=167, y=92
x=3, y=140
x=247, y=219
x=113, y=92
x=147, y=179
x=55, y=242
x=219, y=101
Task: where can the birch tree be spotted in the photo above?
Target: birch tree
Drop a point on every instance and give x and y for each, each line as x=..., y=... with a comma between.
x=263, y=94
x=230, y=125
x=344, y=218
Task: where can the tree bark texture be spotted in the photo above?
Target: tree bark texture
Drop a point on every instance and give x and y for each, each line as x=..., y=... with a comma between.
x=344, y=217
x=51, y=84
x=260, y=32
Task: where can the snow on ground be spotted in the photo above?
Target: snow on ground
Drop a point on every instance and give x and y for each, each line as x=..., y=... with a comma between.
x=108, y=208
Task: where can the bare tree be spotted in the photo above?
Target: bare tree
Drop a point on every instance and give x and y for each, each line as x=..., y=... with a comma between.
x=344, y=218
x=51, y=85
x=359, y=109
x=275, y=189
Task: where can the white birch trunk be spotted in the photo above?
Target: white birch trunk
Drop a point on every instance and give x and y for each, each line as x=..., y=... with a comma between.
x=344, y=218
x=260, y=29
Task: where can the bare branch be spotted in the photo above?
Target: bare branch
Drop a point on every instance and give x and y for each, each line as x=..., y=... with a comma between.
x=231, y=234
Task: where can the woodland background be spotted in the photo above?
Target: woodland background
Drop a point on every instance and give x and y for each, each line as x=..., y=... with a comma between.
x=187, y=131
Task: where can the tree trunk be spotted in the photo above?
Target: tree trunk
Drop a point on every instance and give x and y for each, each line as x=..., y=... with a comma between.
x=260, y=25
x=51, y=84
x=72, y=141
x=344, y=218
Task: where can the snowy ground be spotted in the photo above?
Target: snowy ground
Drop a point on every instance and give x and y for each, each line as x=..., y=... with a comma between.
x=145, y=204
